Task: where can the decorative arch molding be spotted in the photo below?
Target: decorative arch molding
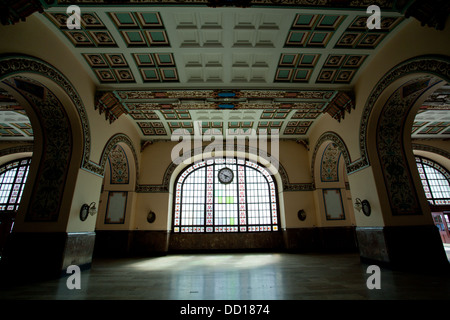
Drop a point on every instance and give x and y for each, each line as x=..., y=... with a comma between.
x=390, y=146
x=423, y=147
x=429, y=64
x=16, y=149
x=112, y=142
x=338, y=141
x=14, y=64
x=57, y=148
x=165, y=185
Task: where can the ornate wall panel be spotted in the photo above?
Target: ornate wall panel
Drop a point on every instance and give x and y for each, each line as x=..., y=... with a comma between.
x=390, y=146
x=112, y=145
x=330, y=164
x=118, y=164
x=339, y=145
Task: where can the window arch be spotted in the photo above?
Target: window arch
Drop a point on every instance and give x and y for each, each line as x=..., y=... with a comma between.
x=243, y=198
x=435, y=181
x=13, y=176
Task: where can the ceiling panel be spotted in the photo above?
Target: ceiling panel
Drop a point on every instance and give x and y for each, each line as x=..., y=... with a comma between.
x=208, y=47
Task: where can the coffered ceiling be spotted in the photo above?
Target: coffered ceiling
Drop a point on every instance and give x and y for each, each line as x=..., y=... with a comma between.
x=192, y=47
x=184, y=67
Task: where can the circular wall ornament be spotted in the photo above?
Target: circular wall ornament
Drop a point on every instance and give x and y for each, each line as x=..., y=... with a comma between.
x=366, y=207
x=151, y=217
x=301, y=214
x=84, y=212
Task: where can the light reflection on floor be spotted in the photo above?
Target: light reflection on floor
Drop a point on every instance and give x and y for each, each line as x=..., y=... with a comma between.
x=227, y=261
x=228, y=276
x=237, y=276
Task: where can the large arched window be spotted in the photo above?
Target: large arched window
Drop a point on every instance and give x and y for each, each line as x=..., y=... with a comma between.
x=435, y=181
x=13, y=176
x=225, y=195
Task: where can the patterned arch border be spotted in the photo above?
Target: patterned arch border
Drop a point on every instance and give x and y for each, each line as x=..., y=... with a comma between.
x=16, y=149
x=437, y=65
x=15, y=64
x=165, y=185
x=337, y=140
x=432, y=149
x=114, y=140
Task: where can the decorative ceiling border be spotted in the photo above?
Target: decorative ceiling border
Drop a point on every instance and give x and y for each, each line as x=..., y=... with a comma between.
x=361, y=4
x=115, y=103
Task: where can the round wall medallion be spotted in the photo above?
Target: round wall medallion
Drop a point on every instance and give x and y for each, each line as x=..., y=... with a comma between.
x=366, y=207
x=151, y=217
x=301, y=214
x=84, y=212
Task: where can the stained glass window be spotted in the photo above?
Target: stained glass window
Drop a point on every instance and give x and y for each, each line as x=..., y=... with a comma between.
x=206, y=203
x=435, y=181
x=13, y=176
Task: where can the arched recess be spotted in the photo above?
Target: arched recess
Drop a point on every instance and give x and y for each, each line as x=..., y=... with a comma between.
x=226, y=241
x=124, y=141
x=120, y=168
x=334, y=208
x=385, y=142
x=340, y=144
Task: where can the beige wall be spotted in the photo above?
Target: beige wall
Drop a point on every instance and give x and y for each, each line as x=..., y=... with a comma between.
x=155, y=159
x=410, y=41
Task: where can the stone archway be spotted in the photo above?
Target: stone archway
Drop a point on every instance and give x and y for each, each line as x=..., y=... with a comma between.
x=47, y=216
x=429, y=64
x=404, y=228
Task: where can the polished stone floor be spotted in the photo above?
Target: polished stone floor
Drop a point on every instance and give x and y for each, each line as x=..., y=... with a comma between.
x=237, y=276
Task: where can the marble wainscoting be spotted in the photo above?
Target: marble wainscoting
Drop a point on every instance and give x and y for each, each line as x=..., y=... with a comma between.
x=403, y=247
x=148, y=243
x=43, y=255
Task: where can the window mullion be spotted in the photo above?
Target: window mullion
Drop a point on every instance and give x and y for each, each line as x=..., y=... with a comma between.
x=246, y=197
x=12, y=186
